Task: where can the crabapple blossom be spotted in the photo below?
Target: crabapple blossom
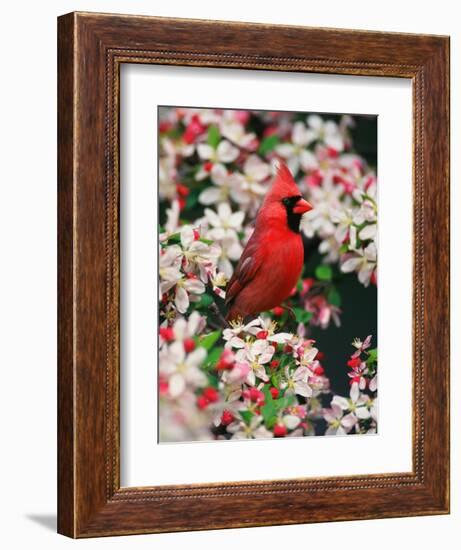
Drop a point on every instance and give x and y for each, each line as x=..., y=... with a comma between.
x=338, y=422
x=183, y=289
x=254, y=430
x=257, y=354
x=297, y=382
x=169, y=268
x=181, y=370
x=327, y=132
x=325, y=199
x=223, y=182
x=232, y=129
x=184, y=329
x=361, y=346
x=167, y=178
x=295, y=152
x=172, y=222
x=363, y=261
x=199, y=257
x=248, y=190
x=175, y=148
x=231, y=250
x=233, y=334
x=322, y=311
x=356, y=404
x=224, y=153
x=224, y=222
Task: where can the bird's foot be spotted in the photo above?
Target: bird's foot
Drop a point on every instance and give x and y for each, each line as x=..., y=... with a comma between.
x=291, y=320
x=290, y=311
x=215, y=310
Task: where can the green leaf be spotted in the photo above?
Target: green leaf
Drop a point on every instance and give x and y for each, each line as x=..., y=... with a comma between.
x=209, y=340
x=269, y=413
x=372, y=355
x=268, y=144
x=175, y=238
x=324, y=272
x=334, y=297
x=213, y=357
x=192, y=198
x=174, y=133
x=247, y=416
x=267, y=394
x=275, y=381
x=206, y=241
x=285, y=360
x=302, y=316
x=205, y=301
x=213, y=136
x=284, y=402
x=213, y=381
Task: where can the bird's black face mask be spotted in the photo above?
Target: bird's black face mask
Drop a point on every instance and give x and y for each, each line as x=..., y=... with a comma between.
x=293, y=218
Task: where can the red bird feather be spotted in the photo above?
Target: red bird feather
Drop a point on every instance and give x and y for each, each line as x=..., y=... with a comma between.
x=272, y=261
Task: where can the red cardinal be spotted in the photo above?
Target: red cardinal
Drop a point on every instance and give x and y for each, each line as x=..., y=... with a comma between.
x=272, y=261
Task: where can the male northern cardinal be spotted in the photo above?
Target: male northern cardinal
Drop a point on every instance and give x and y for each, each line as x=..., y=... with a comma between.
x=272, y=261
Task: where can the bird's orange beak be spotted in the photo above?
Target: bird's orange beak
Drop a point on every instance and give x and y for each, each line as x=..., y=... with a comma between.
x=302, y=206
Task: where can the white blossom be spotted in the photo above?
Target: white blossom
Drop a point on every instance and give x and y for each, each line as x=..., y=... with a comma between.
x=255, y=430
x=181, y=369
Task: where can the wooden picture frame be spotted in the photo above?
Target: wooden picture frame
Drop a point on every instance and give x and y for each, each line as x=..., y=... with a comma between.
x=92, y=48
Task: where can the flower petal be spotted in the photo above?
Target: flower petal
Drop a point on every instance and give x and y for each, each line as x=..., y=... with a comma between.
x=351, y=264
x=224, y=212
x=212, y=217
x=205, y=151
x=285, y=150
x=196, y=357
x=291, y=421
x=362, y=412
x=181, y=299
x=302, y=388
x=180, y=329
x=194, y=286
x=349, y=421
x=256, y=168
x=187, y=236
x=176, y=385
x=368, y=232
x=210, y=195
x=281, y=337
x=355, y=392
x=315, y=122
x=226, y=152
x=340, y=402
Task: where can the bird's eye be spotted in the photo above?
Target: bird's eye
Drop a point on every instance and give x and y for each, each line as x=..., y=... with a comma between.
x=291, y=201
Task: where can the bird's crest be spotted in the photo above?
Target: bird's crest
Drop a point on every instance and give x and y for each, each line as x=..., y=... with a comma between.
x=283, y=184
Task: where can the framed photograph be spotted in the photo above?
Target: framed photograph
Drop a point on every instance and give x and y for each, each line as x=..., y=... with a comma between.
x=251, y=219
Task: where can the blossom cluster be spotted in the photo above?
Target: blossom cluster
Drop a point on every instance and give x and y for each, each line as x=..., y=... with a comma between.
x=357, y=413
x=261, y=383
x=264, y=378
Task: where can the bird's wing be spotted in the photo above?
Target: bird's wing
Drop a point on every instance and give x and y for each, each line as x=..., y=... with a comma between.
x=246, y=269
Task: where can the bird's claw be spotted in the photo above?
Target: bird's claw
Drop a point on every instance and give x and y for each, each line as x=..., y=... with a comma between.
x=215, y=309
